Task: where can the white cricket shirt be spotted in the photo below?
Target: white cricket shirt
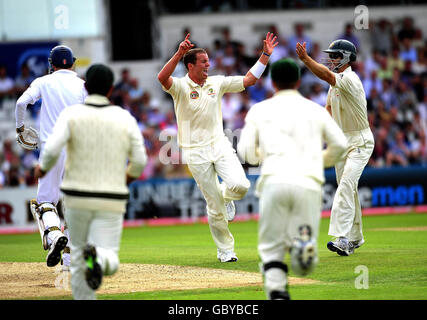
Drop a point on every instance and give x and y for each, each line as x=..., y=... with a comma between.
x=286, y=134
x=57, y=90
x=198, y=109
x=348, y=102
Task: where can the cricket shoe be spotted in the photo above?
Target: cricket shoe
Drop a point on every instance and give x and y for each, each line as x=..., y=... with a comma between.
x=341, y=246
x=304, y=252
x=93, y=268
x=357, y=243
x=231, y=210
x=58, y=244
x=226, y=256
x=279, y=295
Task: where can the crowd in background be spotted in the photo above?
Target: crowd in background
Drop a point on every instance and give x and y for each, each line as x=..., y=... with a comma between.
x=394, y=76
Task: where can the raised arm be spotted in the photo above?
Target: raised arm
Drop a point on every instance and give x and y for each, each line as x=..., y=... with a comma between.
x=165, y=75
x=321, y=71
x=256, y=71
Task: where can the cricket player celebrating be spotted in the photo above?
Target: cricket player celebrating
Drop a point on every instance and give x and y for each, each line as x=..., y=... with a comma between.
x=286, y=134
x=100, y=138
x=205, y=148
x=59, y=89
x=346, y=103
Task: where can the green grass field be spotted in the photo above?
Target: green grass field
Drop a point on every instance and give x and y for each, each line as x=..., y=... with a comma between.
x=395, y=254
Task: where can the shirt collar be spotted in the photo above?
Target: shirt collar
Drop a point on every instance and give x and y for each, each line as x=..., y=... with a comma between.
x=97, y=100
x=65, y=71
x=348, y=69
x=287, y=92
x=194, y=85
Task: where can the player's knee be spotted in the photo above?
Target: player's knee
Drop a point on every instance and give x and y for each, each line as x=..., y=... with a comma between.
x=240, y=188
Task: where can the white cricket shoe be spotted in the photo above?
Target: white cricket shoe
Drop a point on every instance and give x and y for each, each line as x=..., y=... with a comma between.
x=341, y=246
x=358, y=243
x=59, y=241
x=226, y=256
x=231, y=210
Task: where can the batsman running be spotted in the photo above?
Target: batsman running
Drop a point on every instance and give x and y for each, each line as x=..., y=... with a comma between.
x=205, y=148
x=59, y=89
x=346, y=103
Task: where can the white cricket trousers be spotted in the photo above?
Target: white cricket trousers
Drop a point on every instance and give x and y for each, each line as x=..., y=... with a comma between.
x=101, y=229
x=346, y=213
x=206, y=164
x=283, y=208
x=48, y=190
x=49, y=186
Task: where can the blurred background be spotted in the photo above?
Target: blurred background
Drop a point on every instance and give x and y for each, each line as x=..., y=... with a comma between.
x=136, y=38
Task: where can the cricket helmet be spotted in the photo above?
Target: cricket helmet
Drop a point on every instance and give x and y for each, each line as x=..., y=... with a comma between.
x=343, y=49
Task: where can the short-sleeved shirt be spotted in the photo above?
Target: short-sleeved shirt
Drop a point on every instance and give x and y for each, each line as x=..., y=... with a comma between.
x=348, y=102
x=198, y=109
x=58, y=90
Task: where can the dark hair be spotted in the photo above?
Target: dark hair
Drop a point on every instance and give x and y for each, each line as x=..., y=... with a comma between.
x=285, y=73
x=191, y=56
x=99, y=79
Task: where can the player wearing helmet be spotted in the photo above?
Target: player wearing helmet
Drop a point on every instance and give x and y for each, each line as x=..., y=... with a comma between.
x=346, y=103
x=59, y=89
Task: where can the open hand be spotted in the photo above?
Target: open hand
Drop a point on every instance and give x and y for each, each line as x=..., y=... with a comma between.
x=185, y=45
x=270, y=43
x=301, y=51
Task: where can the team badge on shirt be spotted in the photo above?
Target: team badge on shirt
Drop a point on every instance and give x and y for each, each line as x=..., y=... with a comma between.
x=211, y=92
x=194, y=94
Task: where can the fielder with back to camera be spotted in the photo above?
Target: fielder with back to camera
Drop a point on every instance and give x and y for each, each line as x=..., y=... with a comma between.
x=205, y=148
x=286, y=134
x=58, y=90
x=346, y=103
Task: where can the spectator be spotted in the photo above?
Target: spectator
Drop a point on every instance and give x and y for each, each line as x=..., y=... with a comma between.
x=399, y=152
x=384, y=71
x=408, y=30
x=281, y=51
x=395, y=61
x=407, y=74
x=318, y=95
x=382, y=36
x=388, y=95
x=135, y=91
x=372, y=82
x=258, y=92
x=373, y=62
x=407, y=101
x=23, y=81
x=155, y=116
x=316, y=52
x=299, y=36
x=6, y=85
x=229, y=61
x=227, y=40
x=408, y=51
x=124, y=83
x=378, y=158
